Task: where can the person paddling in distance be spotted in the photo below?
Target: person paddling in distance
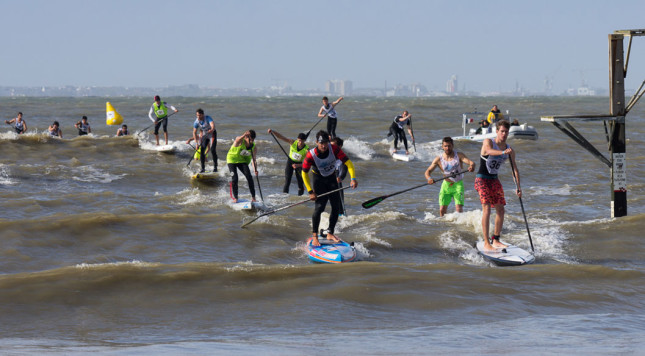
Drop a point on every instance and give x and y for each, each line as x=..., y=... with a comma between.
x=207, y=138
x=332, y=117
x=83, y=127
x=321, y=160
x=160, y=110
x=297, y=151
x=396, y=129
x=492, y=156
x=18, y=124
x=123, y=131
x=241, y=153
x=55, y=130
x=450, y=162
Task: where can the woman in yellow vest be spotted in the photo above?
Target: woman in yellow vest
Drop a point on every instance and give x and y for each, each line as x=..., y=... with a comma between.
x=241, y=153
x=297, y=151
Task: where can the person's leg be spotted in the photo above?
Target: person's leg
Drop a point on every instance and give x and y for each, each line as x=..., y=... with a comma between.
x=301, y=185
x=288, y=172
x=157, y=126
x=233, y=183
x=165, y=129
x=499, y=221
x=214, y=151
x=202, y=153
x=249, y=178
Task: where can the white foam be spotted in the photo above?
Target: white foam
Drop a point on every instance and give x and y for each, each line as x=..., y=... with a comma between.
x=135, y=263
x=95, y=175
x=357, y=148
x=4, y=176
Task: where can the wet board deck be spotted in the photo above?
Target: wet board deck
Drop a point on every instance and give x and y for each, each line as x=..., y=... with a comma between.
x=509, y=256
x=245, y=204
x=161, y=148
x=205, y=176
x=331, y=252
x=401, y=156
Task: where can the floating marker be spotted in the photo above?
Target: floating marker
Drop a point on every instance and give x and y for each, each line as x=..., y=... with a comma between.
x=111, y=116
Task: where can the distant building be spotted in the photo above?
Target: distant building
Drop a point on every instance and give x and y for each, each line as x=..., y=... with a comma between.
x=452, y=85
x=339, y=87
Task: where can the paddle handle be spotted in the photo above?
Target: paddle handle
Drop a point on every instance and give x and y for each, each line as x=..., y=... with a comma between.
x=316, y=124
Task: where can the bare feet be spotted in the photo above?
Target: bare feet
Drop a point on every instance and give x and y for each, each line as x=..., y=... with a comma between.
x=314, y=240
x=253, y=200
x=498, y=244
x=332, y=237
x=234, y=200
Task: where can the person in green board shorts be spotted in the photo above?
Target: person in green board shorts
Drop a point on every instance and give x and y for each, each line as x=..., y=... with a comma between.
x=241, y=153
x=160, y=110
x=450, y=162
x=297, y=151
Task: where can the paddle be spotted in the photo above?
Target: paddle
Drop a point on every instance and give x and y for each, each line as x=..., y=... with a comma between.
x=370, y=203
x=257, y=179
x=154, y=123
x=317, y=122
x=521, y=204
x=412, y=132
x=278, y=142
x=290, y=206
x=193, y=154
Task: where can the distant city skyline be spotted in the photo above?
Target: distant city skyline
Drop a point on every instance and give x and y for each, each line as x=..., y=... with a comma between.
x=495, y=46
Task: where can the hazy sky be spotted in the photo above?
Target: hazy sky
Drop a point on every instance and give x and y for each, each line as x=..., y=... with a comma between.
x=490, y=45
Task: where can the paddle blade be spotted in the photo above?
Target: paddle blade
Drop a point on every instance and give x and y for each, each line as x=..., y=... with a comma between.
x=370, y=203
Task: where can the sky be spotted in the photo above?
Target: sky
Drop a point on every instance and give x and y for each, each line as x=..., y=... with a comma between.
x=490, y=45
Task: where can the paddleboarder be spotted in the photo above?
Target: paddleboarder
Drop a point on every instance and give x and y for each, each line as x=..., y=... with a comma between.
x=18, y=124
x=396, y=129
x=450, y=162
x=55, y=130
x=321, y=160
x=207, y=138
x=241, y=153
x=297, y=151
x=83, y=126
x=123, y=131
x=160, y=109
x=332, y=117
x=493, y=154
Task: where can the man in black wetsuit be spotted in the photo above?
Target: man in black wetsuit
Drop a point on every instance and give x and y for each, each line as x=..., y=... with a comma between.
x=396, y=129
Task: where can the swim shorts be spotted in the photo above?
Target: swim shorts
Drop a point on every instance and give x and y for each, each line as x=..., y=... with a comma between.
x=451, y=190
x=490, y=191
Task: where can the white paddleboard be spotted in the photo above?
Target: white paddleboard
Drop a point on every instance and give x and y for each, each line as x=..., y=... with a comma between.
x=401, y=156
x=509, y=256
x=160, y=148
x=245, y=204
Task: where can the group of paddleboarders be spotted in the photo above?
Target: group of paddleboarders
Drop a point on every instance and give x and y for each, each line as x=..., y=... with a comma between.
x=493, y=153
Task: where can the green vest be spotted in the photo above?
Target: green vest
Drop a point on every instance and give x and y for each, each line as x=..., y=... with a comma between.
x=160, y=110
x=295, y=155
x=240, y=154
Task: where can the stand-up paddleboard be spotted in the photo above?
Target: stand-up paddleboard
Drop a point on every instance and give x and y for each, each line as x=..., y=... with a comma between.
x=206, y=176
x=161, y=148
x=331, y=252
x=401, y=156
x=509, y=256
x=245, y=204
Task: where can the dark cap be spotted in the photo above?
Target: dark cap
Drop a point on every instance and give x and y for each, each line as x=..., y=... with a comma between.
x=323, y=138
x=157, y=98
x=302, y=136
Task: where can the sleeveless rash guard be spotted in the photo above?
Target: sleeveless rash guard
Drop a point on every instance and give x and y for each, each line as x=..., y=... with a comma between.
x=451, y=166
x=331, y=112
x=489, y=165
x=295, y=154
x=326, y=166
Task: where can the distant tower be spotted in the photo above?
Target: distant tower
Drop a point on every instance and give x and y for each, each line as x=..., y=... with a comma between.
x=452, y=85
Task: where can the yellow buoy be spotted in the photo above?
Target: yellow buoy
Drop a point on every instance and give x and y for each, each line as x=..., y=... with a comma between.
x=111, y=116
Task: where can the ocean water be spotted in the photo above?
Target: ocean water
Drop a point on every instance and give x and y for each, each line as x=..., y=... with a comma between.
x=108, y=246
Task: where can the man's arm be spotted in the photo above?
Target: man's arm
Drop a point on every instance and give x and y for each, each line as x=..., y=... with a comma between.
x=435, y=164
x=333, y=105
x=466, y=160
